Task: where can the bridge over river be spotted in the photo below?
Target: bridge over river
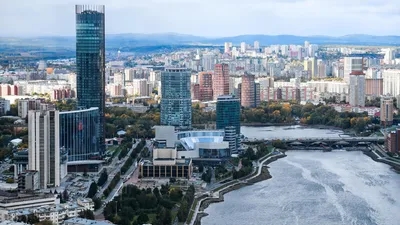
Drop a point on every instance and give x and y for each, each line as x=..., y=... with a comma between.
x=323, y=142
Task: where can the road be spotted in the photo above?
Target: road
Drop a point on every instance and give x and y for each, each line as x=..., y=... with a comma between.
x=118, y=188
x=116, y=169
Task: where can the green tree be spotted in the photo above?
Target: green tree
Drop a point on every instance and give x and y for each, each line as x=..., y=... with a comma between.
x=92, y=190
x=142, y=218
x=86, y=214
x=97, y=203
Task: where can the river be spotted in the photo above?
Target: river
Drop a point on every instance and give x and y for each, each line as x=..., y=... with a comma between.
x=313, y=187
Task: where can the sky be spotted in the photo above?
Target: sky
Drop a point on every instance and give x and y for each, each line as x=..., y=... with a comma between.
x=210, y=18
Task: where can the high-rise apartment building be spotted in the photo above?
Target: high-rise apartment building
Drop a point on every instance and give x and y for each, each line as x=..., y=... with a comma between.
x=257, y=46
x=119, y=78
x=314, y=67
x=247, y=92
x=4, y=106
x=228, y=112
x=206, y=87
x=357, y=89
x=352, y=64
x=44, y=146
x=243, y=47
x=90, y=61
x=391, y=82
x=374, y=87
x=227, y=47
x=386, y=110
x=176, y=102
x=220, y=80
x=208, y=61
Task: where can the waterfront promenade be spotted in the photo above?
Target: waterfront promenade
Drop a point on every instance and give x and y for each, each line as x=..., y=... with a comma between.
x=218, y=192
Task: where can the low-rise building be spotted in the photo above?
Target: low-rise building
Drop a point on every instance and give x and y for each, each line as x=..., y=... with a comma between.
x=55, y=213
x=166, y=164
x=80, y=221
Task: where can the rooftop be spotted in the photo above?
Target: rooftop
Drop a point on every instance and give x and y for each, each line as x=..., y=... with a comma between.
x=81, y=221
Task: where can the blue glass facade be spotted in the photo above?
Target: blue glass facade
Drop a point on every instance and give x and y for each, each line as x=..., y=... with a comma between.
x=214, y=153
x=228, y=112
x=90, y=62
x=79, y=134
x=176, y=101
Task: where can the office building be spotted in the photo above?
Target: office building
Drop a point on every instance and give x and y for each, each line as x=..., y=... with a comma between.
x=79, y=135
x=176, y=102
x=220, y=80
x=357, y=89
x=90, y=61
x=228, y=112
x=119, y=78
x=44, y=147
x=352, y=64
x=206, y=87
x=386, y=111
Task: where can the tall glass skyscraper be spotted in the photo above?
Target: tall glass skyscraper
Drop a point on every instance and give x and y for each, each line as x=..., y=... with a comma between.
x=228, y=112
x=90, y=61
x=176, y=101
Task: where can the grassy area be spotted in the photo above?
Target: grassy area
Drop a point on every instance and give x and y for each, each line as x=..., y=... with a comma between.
x=192, y=210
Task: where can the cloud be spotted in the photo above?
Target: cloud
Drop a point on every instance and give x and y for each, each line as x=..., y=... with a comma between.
x=208, y=17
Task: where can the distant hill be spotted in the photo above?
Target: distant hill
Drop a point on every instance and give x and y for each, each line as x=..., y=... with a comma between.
x=116, y=41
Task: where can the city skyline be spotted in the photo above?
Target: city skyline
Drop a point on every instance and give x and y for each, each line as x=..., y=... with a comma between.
x=305, y=17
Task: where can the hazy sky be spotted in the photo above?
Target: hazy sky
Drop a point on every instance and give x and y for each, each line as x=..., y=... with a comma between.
x=207, y=17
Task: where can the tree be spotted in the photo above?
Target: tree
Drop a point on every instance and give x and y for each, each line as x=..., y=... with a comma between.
x=44, y=222
x=85, y=172
x=201, y=168
x=65, y=196
x=156, y=192
x=103, y=178
x=92, y=190
x=97, y=203
x=183, y=211
x=10, y=180
x=175, y=194
x=142, y=219
x=86, y=214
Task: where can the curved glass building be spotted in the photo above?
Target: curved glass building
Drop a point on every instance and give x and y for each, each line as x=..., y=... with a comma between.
x=90, y=61
x=79, y=134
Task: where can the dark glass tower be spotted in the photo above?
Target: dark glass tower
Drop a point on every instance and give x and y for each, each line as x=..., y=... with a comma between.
x=228, y=112
x=90, y=61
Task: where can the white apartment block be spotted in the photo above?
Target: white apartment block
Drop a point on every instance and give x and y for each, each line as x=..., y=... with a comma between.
x=391, y=82
x=44, y=146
